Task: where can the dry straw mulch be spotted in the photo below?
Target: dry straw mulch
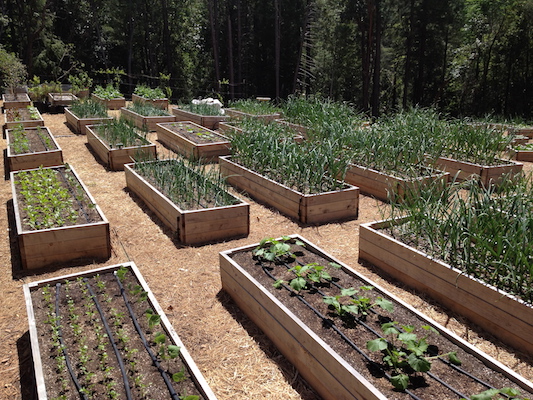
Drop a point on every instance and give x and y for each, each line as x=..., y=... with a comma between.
x=237, y=360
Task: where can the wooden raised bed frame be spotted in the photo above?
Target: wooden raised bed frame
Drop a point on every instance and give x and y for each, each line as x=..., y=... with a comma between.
x=240, y=114
x=61, y=99
x=382, y=185
x=191, y=226
x=39, y=248
x=488, y=174
x=208, y=121
x=79, y=125
x=21, y=100
x=28, y=123
x=196, y=374
x=112, y=104
x=159, y=103
x=115, y=158
x=308, y=209
x=50, y=158
x=189, y=148
x=326, y=370
x=503, y=315
x=142, y=122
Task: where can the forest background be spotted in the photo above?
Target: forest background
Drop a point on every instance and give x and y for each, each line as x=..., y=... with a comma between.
x=465, y=57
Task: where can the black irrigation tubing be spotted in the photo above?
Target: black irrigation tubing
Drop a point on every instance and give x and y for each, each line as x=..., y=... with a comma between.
x=156, y=362
x=42, y=140
x=63, y=347
x=111, y=340
x=341, y=334
x=448, y=363
x=70, y=189
x=332, y=325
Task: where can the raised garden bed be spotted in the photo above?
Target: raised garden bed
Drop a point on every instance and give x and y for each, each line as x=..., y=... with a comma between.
x=115, y=152
x=306, y=208
x=159, y=103
x=503, y=315
x=148, y=122
x=56, y=218
x=229, y=128
x=295, y=127
x=195, y=218
x=61, y=99
x=234, y=113
x=522, y=152
x=79, y=125
x=29, y=148
x=27, y=117
x=112, y=104
x=193, y=140
x=209, y=121
x=16, y=100
x=315, y=314
x=488, y=174
x=388, y=187
x=102, y=334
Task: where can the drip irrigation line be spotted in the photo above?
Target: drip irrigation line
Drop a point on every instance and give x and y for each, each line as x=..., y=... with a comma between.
x=42, y=140
x=70, y=189
x=448, y=363
x=64, y=347
x=111, y=340
x=332, y=325
x=156, y=362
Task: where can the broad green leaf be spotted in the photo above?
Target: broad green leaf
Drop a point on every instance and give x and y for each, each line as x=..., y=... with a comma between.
x=419, y=364
x=335, y=265
x=160, y=338
x=454, y=359
x=348, y=292
x=486, y=395
x=400, y=382
x=512, y=392
x=377, y=344
x=385, y=304
x=298, y=283
x=179, y=376
x=389, y=329
x=173, y=350
x=154, y=320
x=278, y=284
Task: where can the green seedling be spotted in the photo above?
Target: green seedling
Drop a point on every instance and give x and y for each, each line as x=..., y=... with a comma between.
x=498, y=394
x=405, y=352
x=305, y=274
x=271, y=249
x=357, y=305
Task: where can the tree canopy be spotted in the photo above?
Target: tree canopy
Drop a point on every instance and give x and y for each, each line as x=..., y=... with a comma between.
x=469, y=57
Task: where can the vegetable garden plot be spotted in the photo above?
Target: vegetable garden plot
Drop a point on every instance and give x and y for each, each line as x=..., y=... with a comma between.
x=56, y=218
x=205, y=115
x=29, y=148
x=85, y=112
x=16, y=100
x=193, y=140
x=102, y=334
x=118, y=143
x=146, y=116
x=348, y=337
x=193, y=202
x=27, y=117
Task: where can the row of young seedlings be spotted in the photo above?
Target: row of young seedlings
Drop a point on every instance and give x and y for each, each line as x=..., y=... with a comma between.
x=270, y=150
x=404, y=353
x=189, y=185
x=96, y=349
x=21, y=144
x=485, y=232
x=120, y=133
x=48, y=195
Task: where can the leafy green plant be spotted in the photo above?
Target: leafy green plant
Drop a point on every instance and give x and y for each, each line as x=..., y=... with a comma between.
x=202, y=109
x=190, y=186
x=254, y=107
x=119, y=133
x=498, y=394
x=149, y=93
x=311, y=272
x=109, y=92
x=271, y=249
x=405, y=352
x=147, y=109
x=80, y=81
x=87, y=108
x=356, y=305
x=39, y=91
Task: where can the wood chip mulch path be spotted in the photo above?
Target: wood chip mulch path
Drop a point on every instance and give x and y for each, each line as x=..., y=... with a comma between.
x=237, y=360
